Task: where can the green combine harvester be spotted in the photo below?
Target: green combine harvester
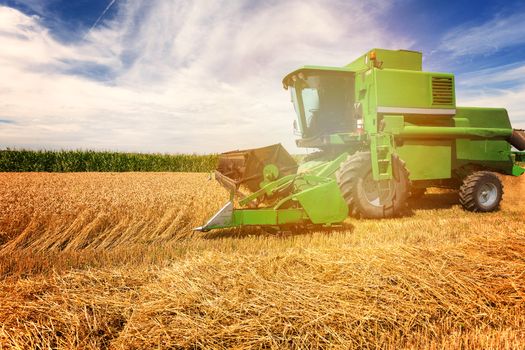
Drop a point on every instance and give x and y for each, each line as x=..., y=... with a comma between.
x=385, y=131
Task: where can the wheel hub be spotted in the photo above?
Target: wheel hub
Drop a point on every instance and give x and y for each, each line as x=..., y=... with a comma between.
x=378, y=193
x=487, y=195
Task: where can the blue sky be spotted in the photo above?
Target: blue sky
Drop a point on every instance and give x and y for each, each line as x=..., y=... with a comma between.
x=66, y=17
x=203, y=76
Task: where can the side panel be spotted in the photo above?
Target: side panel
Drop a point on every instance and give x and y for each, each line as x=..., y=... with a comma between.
x=408, y=92
x=267, y=217
x=324, y=203
x=427, y=159
x=489, y=153
x=412, y=89
x=485, y=117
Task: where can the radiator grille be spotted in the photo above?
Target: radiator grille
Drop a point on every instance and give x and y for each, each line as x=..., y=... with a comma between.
x=442, y=91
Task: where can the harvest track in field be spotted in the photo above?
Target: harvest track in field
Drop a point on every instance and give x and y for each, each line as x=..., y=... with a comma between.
x=102, y=210
x=109, y=260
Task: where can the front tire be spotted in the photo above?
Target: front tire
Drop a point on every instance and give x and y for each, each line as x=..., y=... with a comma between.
x=481, y=192
x=367, y=198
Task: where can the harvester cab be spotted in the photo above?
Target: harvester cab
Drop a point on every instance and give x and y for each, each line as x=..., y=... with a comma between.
x=323, y=101
x=385, y=131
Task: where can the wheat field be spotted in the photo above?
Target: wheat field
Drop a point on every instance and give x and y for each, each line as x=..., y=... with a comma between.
x=91, y=261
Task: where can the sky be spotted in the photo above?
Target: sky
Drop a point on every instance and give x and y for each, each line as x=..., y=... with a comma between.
x=205, y=76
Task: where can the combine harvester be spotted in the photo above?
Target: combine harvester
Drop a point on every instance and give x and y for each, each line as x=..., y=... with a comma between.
x=385, y=131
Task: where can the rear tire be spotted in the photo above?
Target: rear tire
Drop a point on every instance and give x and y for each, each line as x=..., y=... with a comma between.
x=363, y=194
x=481, y=192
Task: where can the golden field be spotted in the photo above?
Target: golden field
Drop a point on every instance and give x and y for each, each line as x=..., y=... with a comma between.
x=107, y=260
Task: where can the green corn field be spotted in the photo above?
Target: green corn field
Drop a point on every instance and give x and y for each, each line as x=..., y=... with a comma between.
x=101, y=161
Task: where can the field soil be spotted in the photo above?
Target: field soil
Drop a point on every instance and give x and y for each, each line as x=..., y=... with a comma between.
x=109, y=260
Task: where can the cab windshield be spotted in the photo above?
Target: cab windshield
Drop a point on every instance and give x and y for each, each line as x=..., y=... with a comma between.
x=324, y=103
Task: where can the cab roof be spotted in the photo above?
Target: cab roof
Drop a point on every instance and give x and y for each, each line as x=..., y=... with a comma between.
x=288, y=80
x=379, y=58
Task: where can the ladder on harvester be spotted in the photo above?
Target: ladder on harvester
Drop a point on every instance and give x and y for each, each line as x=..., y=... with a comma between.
x=381, y=149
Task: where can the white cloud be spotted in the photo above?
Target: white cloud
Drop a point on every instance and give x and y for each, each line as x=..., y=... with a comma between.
x=512, y=100
x=487, y=38
x=187, y=76
x=513, y=74
x=495, y=87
